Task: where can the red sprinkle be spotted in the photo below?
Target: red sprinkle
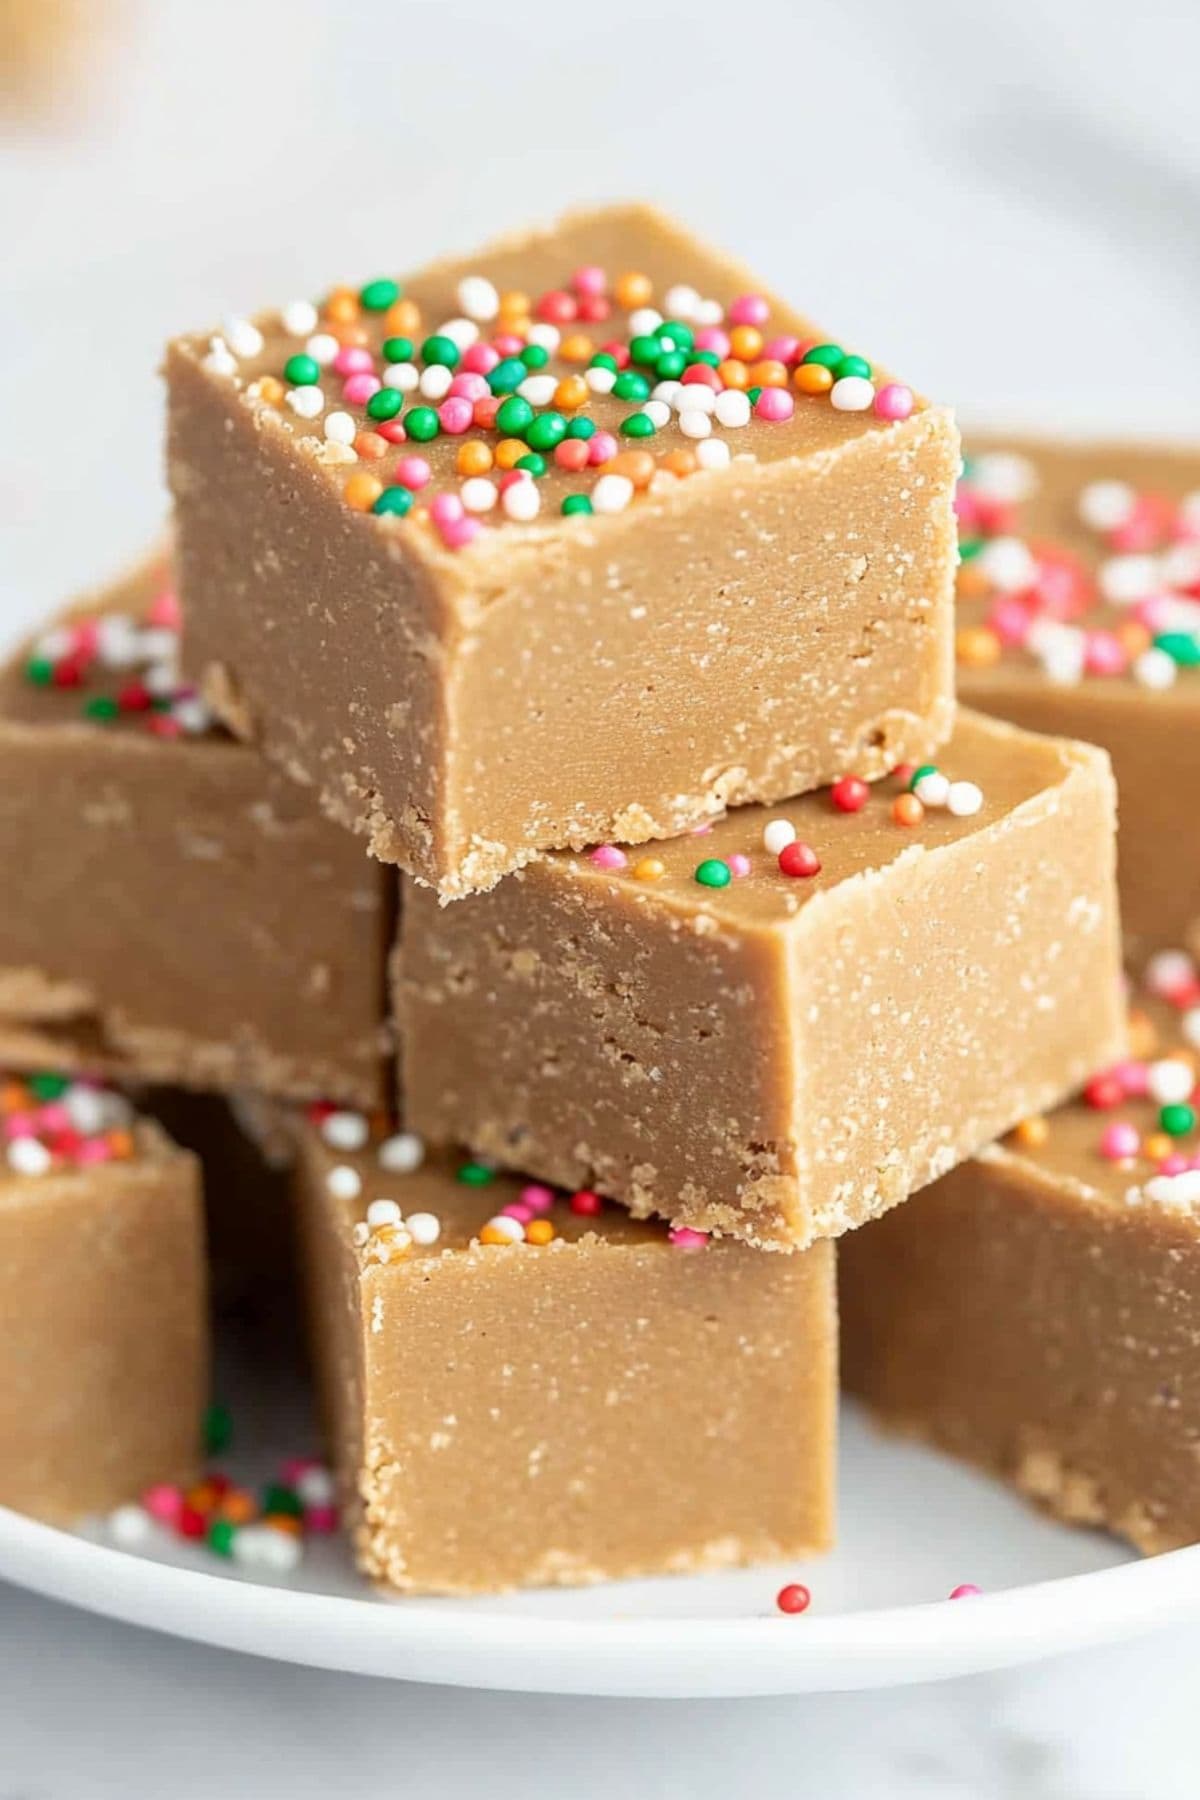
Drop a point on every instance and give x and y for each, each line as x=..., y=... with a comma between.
x=794, y=1598
x=1104, y=1090
x=850, y=794
x=966, y=1590
x=799, y=859
x=586, y=1203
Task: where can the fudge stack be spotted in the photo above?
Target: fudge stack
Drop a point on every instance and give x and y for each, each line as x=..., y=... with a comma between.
x=534, y=764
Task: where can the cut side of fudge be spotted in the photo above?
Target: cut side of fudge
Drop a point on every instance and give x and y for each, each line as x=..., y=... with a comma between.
x=583, y=536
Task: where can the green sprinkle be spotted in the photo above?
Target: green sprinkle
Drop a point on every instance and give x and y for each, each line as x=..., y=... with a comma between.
x=629, y=385
x=708, y=357
x=832, y=355
x=670, y=365
x=645, y=350
x=49, y=1086
x=39, y=670
x=576, y=504
x=712, y=872
x=277, y=1497
x=385, y=404
x=637, y=425
x=546, y=432
x=302, y=371
x=968, y=548
x=377, y=296
x=752, y=395
x=422, y=424
x=604, y=360
x=217, y=1429
x=533, y=465
x=397, y=349
x=514, y=417
x=582, y=427
x=161, y=703
x=920, y=774
x=441, y=352
x=535, y=356
x=1177, y=1119
x=852, y=365
x=473, y=1174
x=507, y=375
x=220, y=1536
x=103, y=706
x=674, y=331
x=395, y=500
x=1182, y=647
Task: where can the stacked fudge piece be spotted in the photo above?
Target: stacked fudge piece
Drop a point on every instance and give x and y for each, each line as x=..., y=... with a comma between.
x=610, y=606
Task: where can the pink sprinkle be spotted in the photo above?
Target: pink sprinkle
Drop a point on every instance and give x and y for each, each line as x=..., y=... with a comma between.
x=713, y=338
x=444, y=509
x=537, y=1198
x=164, y=610
x=739, y=863
x=353, y=359
x=413, y=472
x=163, y=1502
x=701, y=830
x=20, y=1125
x=506, y=344
x=359, y=389
x=684, y=1238
x=479, y=359
x=320, y=1520
x=602, y=447
x=54, y=1116
x=517, y=1209
x=391, y=431
x=618, y=351
x=1132, y=1075
x=1009, y=619
x=966, y=1590
x=460, y=533
x=296, y=1466
x=894, y=401
x=474, y=387
x=607, y=856
x=1119, y=1141
x=775, y=403
x=93, y=1150
x=749, y=309
x=87, y=633
x=1145, y=527
x=1154, y=613
x=1104, y=654
x=163, y=725
x=455, y=415
x=781, y=349
x=1173, y=1164
x=589, y=280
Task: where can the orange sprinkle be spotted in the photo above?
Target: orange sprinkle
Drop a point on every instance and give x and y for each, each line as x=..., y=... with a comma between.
x=571, y=393
x=514, y=304
x=14, y=1097
x=649, y=868
x=509, y=452
x=907, y=810
x=1143, y=1035
x=474, y=458
x=284, y=1522
x=746, y=342
x=540, y=1231
x=362, y=490
x=813, y=378
x=632, y=289
x=1132, y=635
x=490, y=1235
x=341, y=308
x=269, y=390
x=203, y=1496
x=1157, y=1145
x=733, y=373
x=238, y=1507
x=977, y=647
x=576, y=348
x=637, y=465
x=1032, y=1132
x=680, y=462
x=371, y=446
x=350, y=334
x=972, y=583
x=402, y=319
x=120, y=1142
x=768, y=374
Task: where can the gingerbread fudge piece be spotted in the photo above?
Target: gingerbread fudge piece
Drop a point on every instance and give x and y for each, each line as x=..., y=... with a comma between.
x=582, y=536
x=524, y=1388
x=785, y=1026
x=1038, y=1311
x=179, y=911
x=103, y=1336
x=1079, y=613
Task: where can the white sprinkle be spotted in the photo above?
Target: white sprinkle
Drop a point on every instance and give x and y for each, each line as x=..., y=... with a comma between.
x=308, y=402
x=405, y=377
x=340, y=428
x=1174, y=1190
x=1170, y=1081
x=658, y=412
x=1189, y=1024
x=1124, y=579
x=243, y=337
x=298, y=318
x=129, y=1525
x=262, y=1547
x=933, y=789
x=668, y=391
x=777, y=835
x=963, y=799
x=384, y=1212
x=545, y=335
x=463, y=332
x=316, y=1486
x=118, y=641
x=1106, y=504
x=160, y=679
x=600, y=381
x=478, y=494
x=709, y=312
x=1003, y=475
x=1168, y=970
x=713, y=453
x=1180, y=565
x=682, y=302
x=345, y=1130
x=853, y=393
x=661, y=482
x=695, y=424
x=477, y=297
x=193, y=715
x=401, y=1153
x=538, y=389
x=344, y=1182
x=435, y=381
x=732, y=408
x=53, y=644
x=1060, y=649
x=360, y=1235
x=322, y=347
x=28, y=1156
x=86, y=1110
x=644, y=322
x=424, y=1228
x=219, y=361
x=694, y=396
x=522, y=501
x=1189, y=508
x=1008, y=564
x=1155, y=668
x=612, y=494
x=508, y=1227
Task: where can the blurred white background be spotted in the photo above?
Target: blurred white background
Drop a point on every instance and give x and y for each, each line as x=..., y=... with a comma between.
x=1002, y=201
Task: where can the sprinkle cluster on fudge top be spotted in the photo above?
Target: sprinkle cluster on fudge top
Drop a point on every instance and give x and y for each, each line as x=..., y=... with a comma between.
x=408, y=1201
x=565, y=375
x=1081, y=563
x=51, y=1122
x=111, y=661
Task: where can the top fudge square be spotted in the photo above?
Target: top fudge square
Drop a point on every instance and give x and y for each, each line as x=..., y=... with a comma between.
x=583, y=537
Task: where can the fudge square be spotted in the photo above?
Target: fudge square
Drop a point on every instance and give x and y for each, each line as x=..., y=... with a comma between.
x=583, y=536
x=525, y=1389
x=1038, y=1310
x=1079, y=606
x=180, y=912
x=103, y=1336
x=781, y=1028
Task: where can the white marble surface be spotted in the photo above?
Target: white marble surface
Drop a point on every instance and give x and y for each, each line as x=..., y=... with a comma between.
x=1003, y=201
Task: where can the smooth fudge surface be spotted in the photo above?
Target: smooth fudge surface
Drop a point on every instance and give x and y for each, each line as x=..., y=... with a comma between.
x=103, y=1332
x=737, y=616
x=1038, y=1310
x=1079, y=613
x=780, y=1057
x=183, y=913
x=506, y=1412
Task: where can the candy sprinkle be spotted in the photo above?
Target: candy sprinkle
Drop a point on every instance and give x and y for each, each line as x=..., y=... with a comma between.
x=794, y=1598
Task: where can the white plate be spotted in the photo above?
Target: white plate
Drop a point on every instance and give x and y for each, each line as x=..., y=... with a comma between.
x=913, y=1525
